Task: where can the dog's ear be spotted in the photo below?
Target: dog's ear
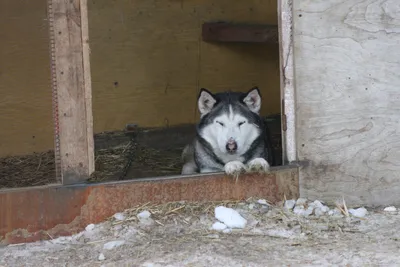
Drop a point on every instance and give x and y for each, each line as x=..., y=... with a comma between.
x=253, y=100
x=206, y=101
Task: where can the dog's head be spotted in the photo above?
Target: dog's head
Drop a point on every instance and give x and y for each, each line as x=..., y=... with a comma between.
x=230, y=121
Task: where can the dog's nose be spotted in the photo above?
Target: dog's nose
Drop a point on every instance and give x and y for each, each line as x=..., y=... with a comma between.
x=231, y=146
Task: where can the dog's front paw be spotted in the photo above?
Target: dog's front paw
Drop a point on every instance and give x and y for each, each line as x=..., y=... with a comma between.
x=258, y=165
x=234, y=168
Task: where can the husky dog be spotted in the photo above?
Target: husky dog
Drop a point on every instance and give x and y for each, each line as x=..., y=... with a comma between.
x=230, y=137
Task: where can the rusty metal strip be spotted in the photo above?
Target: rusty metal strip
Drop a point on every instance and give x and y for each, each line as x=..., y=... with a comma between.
x=241, y=33
x=32, y=214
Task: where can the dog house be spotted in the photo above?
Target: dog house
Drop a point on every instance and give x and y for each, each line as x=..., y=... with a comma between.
x=124, y=103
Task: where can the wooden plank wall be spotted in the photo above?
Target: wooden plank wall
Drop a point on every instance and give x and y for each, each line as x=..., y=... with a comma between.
x=347, y=60
x=148, y=61
x=147, y=64
x=26, y=123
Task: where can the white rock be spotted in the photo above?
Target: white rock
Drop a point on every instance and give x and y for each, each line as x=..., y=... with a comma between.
x=335, y=212
x=317, y=204
x=113, y=244
x=251, y=206
x=102, y=257
x=262, y=202
x=299, y=210
x=218, y=226
x=390, y=209
x=144, y=215
x=230, y=217
x=227, y=231
x=319, y=211
x=360, y=212
x=119, y=216
x=301, y=202
x=90, y=227
x=309, y=211
x=289, y=204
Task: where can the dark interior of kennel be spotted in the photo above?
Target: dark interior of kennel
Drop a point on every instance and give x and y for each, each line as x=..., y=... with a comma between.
x=144, y=54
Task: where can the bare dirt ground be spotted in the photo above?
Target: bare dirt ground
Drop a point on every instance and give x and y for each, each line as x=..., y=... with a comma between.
x=180, y=234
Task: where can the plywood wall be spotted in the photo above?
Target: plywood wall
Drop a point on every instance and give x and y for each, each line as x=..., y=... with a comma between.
x=147, y=62
x=347, y=61
x=25, y=94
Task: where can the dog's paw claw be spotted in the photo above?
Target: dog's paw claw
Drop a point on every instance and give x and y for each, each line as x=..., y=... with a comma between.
x=258, y=165
x=234, y=168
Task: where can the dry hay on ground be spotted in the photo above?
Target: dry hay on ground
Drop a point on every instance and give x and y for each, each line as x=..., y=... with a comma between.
x=180, y=234
x=30, y=170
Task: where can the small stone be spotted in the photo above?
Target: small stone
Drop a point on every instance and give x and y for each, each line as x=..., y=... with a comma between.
x=102, y=257
x=317, y=204
x=262, y=202
x=119, y=216
x=309, y=211
x=390, y=209
x=227, y=231
x=335, y=212
x=359, y=213
x=301, y=202
x=230, y=217
x=289, y=204
x=264, y=209
x=299, y=210
x=144, y=215
x=218, y=226
x=319, y=211
x=90, y=227
x=113, y=244
x=251, y=206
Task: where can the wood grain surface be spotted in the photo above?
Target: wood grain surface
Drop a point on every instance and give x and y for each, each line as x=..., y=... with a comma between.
x=347, y=60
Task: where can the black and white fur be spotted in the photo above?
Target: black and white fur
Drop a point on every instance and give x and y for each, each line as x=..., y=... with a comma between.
x=230, y=136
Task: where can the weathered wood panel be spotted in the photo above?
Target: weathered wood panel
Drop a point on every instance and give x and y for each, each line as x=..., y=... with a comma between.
x=26, y=123
x=73, y=91
x=347, y=60
x=148, y=59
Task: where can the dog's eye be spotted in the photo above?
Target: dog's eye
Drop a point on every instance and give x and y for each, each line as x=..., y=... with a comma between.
x=220, y=123
x=241, y=123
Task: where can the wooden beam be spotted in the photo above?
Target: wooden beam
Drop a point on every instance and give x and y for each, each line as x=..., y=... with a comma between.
x=71, y=72
x=241, y=33
x=286, y=47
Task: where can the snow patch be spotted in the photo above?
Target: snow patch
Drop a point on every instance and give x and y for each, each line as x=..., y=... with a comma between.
x=90, y=227
x=230, y=217
x=113, y=244
x=101, y=257
x=289, y=204
x=144, y=215
x=218, y=226
x=119, y=216
x=359, y=213
x=390, y=209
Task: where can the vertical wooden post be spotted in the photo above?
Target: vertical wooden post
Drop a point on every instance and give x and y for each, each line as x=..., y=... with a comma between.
x=285, y=27
x=71, y=71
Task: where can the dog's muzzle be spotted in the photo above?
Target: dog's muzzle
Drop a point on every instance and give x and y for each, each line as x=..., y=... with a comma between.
x=231, y=146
